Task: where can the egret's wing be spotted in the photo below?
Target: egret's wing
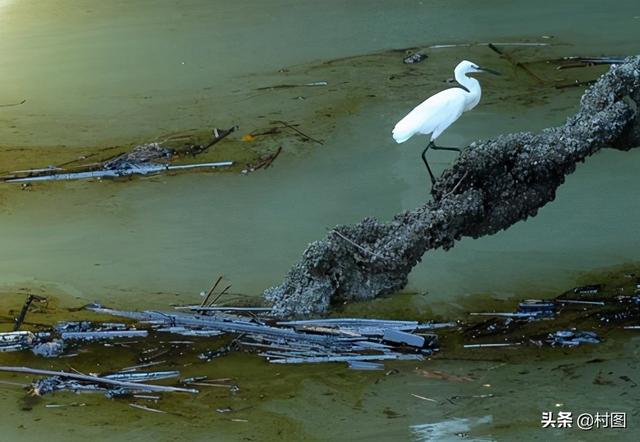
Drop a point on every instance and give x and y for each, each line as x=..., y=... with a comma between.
x=434, y=114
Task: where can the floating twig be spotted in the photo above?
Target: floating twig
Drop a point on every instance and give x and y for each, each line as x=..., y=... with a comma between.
x=290, y=86
x=289, y=126
x=13, y=104
x=423, y=398
x=504, y=344
x=515, y=63
x=272, y=158
x=142, y=407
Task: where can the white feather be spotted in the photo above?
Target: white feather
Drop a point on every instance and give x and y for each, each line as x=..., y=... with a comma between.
x=438, y=112
x=432, y=116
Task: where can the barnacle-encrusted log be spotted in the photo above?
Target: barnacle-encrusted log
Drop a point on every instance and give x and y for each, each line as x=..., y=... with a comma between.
x=493, y=184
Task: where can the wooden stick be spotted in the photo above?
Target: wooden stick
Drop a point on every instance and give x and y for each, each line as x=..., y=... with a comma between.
x=204, y=301
x=517, y=64
x=423, y=398
x=456, y=186
x=222, y=308
x=220, y=135
x=96, y=379
x=219, y=295
x=287, y=125
x=25, y=309
x=506, y=344
x=13, y=104
x=142, y=407
x=272, y=158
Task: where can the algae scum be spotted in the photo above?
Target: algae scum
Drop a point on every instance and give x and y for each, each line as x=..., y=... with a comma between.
x=101, y=77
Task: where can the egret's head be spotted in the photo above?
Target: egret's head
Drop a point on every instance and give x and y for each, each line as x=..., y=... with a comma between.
x=469, y=67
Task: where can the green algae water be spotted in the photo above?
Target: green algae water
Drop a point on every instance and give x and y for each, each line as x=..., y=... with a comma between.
x=99, y=75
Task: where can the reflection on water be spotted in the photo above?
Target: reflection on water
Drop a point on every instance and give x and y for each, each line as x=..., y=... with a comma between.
x=96, y=74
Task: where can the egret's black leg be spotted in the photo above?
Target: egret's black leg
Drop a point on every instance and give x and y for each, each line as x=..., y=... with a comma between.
x=434, y=147
x=426, y=163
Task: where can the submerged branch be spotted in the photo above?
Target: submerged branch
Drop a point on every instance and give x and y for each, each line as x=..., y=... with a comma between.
x=493, y=185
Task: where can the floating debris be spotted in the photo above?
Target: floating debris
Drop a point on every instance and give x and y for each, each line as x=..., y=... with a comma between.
x=572, y=338
x=144, y=169
x=414, y=58
x=592, y=289
x=145, y=408
x=294, y=342
x=263, y=163
x=13, y=104
x=500, y=344
x=17, y=340
x=140, y=154
x=141, y=160
x=140, y=376
x=87, y=331
x=100, y=335
x=581, y=62
x=290, y=86
x=51, y=349
x=362, y=365
x=536, y=308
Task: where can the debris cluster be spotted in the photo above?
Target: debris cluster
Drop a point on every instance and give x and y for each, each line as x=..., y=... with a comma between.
x=140, y=154
x=413, y=58
x=143, y=159
x=566, y=321
x=283, y=342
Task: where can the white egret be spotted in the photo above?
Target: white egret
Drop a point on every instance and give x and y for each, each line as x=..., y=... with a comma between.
x=441, y=110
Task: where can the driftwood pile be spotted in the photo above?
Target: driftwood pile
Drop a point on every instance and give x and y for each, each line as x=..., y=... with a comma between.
x=321, y=340
x=576, y=317
x=143, y=159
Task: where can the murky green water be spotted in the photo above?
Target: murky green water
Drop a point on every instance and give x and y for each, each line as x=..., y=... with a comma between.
x=99, y=74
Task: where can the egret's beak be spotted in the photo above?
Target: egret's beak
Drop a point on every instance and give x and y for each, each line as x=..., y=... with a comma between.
x=491, y=71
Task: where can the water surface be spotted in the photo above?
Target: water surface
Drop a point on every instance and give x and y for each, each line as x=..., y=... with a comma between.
x=98, y=74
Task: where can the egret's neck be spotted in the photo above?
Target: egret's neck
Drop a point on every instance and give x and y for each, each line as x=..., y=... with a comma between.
x=473, y=86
